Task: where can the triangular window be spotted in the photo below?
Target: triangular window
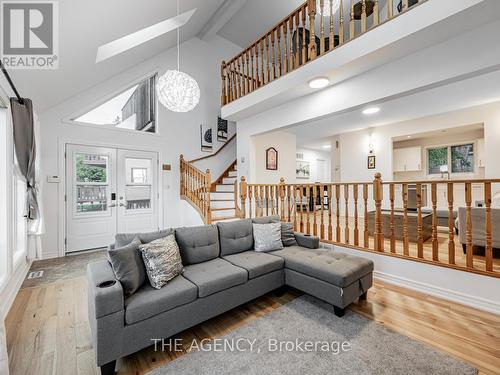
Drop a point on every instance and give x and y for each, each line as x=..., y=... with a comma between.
x=133, y=109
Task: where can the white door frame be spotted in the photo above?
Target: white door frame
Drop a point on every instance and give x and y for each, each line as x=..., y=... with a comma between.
x=61, y=209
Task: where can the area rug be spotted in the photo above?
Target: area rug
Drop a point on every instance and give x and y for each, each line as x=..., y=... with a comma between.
x=305, y=337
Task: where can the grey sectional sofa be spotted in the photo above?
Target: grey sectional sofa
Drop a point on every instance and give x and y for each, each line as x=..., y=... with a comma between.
x=221, y=272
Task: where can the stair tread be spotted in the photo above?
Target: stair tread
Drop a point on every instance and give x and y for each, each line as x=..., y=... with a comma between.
x=222, y=209
x=224, y=218
x=222, y=200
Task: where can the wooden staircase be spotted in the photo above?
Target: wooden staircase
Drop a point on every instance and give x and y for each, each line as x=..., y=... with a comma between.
x=223, y=196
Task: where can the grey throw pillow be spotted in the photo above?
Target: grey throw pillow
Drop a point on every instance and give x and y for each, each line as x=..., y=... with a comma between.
x=162, y=260
x=287, y=235
x=128, y=266
x=267, y=237
x=122, y=239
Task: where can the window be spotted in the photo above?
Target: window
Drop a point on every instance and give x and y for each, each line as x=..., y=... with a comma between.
x=437, y=158
x=91, y=174
x=454, y=159
x=5, y=180
x=139, y=175
x=133, y=109
x=462, y=158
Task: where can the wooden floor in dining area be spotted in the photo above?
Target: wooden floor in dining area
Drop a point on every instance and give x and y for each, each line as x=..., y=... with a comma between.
x=48, y=330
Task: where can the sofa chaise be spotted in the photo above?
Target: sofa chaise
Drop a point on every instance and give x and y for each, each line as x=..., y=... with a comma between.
x=221, y=272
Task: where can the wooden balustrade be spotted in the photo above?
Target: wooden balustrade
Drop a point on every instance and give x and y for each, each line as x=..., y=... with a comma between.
x=417, y=220
x=195, y=188
x=299, y=38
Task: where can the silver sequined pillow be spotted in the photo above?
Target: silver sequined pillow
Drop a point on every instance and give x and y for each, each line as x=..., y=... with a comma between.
x=162, y=260
x=267, y=237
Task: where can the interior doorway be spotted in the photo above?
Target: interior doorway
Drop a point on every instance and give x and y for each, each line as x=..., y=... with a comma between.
x=108, y=190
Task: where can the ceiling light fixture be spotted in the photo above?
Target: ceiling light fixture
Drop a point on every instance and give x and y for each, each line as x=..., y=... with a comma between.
x=371, y=111
x=327, y=4
x=319, y=82
x=178, y=91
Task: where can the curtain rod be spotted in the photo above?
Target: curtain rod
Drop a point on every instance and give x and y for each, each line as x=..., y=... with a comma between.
x=7, y=76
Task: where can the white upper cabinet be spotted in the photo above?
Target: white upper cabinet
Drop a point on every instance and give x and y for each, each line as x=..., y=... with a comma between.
x=407, y=159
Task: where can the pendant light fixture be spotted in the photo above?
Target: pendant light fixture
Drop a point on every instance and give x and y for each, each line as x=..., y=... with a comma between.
x=178, y=91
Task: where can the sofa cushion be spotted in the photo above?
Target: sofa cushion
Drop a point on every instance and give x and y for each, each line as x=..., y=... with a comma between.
x=235, y=236
x=256, y=264
x=266, y=219
x=267, y=237
x=198, y=244
x=148, y=302
x=162, y=260
x=122, y=239
x=214, y=276
x=287, y=235
x=332, y=267
x=128, y=266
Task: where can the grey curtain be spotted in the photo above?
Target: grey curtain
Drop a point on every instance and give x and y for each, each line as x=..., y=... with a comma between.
x=25, y=147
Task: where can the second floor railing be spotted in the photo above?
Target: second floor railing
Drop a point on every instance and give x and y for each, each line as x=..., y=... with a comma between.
x=446, y=223
x=301, y=37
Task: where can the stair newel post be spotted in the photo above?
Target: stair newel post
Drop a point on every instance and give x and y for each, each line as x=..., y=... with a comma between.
x=282, y=198
x=208, y=208
x=378, y=195
x=223, y=76
x=311, y=5
x=181, y=172
x=243, y=196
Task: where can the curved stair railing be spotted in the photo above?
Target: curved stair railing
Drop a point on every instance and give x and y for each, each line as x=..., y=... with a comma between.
x=195, y=188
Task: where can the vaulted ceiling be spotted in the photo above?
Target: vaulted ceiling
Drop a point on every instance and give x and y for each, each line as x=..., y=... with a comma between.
x=85, y=25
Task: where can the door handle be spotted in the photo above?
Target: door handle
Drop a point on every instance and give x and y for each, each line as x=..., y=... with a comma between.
x=112, y=205
x=121, y=205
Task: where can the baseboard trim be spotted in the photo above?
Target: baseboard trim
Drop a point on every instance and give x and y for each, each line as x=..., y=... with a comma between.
x=12, y=287
x=450, y=295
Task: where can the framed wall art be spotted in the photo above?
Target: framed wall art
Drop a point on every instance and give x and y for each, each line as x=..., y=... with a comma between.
x=206, y=138
x=271, y=159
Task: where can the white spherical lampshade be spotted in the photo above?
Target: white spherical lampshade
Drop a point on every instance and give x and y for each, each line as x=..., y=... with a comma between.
x=178, y=91
x=325, y=11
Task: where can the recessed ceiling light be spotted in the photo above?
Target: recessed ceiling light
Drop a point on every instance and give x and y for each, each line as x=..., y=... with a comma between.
x=327, y=146
x=371, y=110
x=319, y=82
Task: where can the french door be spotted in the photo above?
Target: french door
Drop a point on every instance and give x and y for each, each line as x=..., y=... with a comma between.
x=108, y=190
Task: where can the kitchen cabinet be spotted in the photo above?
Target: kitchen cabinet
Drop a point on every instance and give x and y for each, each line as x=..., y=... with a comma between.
x=408, y=159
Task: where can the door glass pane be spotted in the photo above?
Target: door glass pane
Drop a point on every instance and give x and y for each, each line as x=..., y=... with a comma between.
x=437, y=160
x=91, y=168
x=138, y=183
x=462, y=158
x=91, y=198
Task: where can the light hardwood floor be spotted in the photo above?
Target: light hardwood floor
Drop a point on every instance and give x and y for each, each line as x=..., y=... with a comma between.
x=48, y=331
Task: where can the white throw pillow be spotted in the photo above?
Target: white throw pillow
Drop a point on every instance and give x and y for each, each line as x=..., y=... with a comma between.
x=267, y=237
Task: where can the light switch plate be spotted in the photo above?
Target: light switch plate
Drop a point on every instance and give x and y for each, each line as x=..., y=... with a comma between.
x=53, y=179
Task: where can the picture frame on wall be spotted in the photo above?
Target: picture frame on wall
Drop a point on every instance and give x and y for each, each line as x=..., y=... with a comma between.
x=221, y=129
x=303, y=170
x=271, y=159
x=371, y=161
x=206, y=138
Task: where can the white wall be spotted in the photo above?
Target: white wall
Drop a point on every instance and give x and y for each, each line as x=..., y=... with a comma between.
x=179, y=133
x=286, y=145
x=313, y=156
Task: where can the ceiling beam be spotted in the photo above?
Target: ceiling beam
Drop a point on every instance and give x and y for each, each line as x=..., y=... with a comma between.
x=221, y=16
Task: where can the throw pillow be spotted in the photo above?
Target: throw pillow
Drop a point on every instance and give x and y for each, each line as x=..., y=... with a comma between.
x=267, y=237
x=128, y=266
x=162, y=260
x=122, y=239
x=287, y=235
